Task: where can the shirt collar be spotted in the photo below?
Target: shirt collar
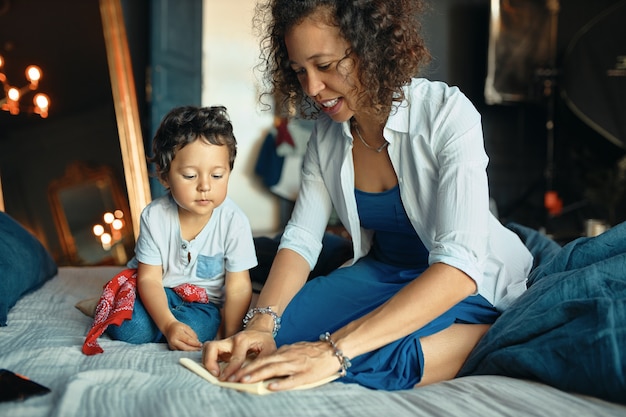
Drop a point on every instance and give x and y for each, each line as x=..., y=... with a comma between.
x=399, y=118
x=345, y=127
x=398, y=121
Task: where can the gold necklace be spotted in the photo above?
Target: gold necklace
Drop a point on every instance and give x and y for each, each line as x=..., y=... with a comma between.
x=367, y=145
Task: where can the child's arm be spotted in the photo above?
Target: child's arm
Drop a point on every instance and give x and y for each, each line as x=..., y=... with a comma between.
x=237, y=296
x=150, y=287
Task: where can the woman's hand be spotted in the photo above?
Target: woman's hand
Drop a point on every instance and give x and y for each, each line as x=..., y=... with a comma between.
x=301, y=363
x=181, y=337
x=236, y=350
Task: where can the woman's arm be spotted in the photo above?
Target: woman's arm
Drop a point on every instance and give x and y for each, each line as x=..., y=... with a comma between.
x=287, y=275
x=431, y=294
x=238, y=293
x=150, y=288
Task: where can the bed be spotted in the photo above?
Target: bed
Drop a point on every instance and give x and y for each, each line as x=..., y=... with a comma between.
x=44, y=332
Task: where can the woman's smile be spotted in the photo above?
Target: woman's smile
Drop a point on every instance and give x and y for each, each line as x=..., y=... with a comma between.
x=331, y=106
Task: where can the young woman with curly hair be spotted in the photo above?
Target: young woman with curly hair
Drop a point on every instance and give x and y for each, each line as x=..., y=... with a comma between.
x=401, y=160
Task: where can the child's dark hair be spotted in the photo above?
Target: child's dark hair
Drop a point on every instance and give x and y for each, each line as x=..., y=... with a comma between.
x=186, y=124
x=384, y=38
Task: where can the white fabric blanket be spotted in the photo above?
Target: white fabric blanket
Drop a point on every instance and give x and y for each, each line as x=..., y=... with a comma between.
x=45, y=334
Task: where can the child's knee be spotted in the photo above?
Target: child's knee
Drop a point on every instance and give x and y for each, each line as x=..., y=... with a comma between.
x=208, y=331
x=206, y=324
x=131, y=331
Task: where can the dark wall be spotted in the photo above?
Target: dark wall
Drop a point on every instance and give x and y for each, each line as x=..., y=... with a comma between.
x=516, y=137
x=137, y=18
x=82, y=124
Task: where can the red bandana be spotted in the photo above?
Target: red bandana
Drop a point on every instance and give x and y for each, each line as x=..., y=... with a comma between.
x=117, y=302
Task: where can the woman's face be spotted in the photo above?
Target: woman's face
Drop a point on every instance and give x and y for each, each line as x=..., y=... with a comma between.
x=317, y=54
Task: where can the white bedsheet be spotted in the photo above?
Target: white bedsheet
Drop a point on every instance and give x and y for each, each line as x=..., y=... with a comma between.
x=45, y=334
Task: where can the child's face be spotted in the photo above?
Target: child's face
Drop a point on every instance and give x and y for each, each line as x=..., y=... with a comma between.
x=198, y=178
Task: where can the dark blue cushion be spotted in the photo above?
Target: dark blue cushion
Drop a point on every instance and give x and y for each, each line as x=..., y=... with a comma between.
x=24, y=264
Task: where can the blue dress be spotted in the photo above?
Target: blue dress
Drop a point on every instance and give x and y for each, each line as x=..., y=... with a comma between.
x=396, y=258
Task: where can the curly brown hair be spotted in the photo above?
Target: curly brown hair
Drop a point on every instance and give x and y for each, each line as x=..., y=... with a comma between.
x=186, y=124
x=384, y=37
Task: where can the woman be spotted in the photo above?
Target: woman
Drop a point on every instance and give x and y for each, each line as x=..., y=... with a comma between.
x=402, y=162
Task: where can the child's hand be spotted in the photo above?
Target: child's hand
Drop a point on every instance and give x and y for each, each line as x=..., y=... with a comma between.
x=181, y=337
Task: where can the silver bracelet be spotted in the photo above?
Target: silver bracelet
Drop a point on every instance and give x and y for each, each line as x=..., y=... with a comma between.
x=263, y=310
x=344, y=361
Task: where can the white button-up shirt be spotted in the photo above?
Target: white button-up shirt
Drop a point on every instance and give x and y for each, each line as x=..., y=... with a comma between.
x=437, y=150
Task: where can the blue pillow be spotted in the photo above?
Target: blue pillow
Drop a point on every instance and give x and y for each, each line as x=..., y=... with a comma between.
x=24, y=264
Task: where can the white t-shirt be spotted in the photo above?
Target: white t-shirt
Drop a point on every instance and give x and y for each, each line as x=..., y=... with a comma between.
x=225, y=244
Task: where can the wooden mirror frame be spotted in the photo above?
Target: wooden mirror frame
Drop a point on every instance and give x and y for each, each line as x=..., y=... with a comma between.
x=126, y=109
x=80, y=176
x=1, y=196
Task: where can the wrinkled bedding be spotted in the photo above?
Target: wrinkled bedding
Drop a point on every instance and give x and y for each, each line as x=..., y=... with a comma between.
x=569, y=329
x=45, y=334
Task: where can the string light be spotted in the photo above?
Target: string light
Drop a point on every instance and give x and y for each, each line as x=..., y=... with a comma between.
x=111, y=234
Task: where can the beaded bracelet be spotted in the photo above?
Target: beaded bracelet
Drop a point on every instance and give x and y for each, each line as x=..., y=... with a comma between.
x=344, y=361
x=263, y=310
